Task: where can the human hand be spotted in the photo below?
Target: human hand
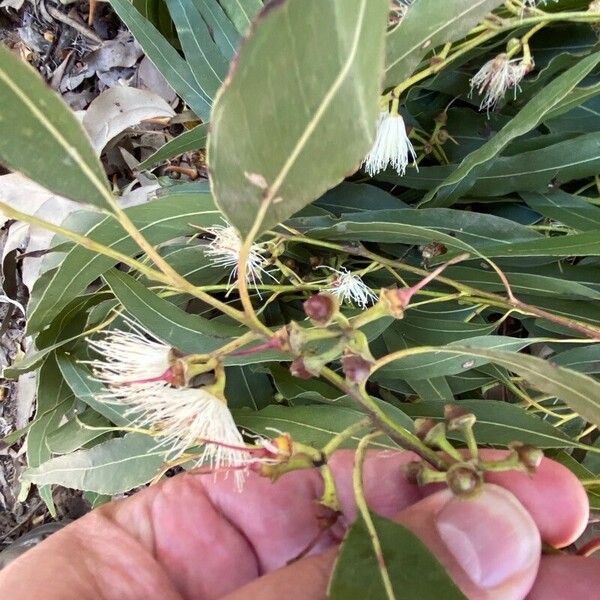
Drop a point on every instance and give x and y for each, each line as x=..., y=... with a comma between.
x=195, y=537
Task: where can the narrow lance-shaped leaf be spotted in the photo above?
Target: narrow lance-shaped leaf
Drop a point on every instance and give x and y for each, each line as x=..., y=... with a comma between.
x=207, y=64
x=175, y=70
x=298, y=111
x=534, y=112
x=41, y=138
x=194, y=139
x=579, y=391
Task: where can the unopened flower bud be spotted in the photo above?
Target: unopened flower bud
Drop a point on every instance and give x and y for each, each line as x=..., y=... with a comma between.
x=529, y=456
x=321, y=308
x=356, y=368
x=423, y=427
x=457, y=418
x=464, y=480
x=412, y=471
x=298, y=369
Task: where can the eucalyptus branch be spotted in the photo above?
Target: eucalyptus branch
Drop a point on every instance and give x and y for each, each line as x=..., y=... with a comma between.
x=536, y=22
x=470, y=293
x=399, y=434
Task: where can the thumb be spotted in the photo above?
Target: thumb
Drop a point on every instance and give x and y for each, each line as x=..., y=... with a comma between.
x=489, y=545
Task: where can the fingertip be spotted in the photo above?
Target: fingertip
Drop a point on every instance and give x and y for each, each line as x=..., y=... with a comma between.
x=554, y=497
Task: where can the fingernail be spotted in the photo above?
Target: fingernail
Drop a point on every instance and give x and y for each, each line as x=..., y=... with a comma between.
x=492, y=537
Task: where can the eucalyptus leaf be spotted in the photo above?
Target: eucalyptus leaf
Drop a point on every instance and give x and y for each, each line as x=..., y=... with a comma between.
x=194, y=139
x=413, y=570
x=498, y=423
x=112, y=467
x=166, y=59
x=312, y=130
x=41, y=138
x=172, y=215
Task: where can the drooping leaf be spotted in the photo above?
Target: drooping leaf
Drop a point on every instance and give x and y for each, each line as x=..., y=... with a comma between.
x=312, y=130
x=580, y=392
x=54, y=399
x=80, y=379
x=41, y=138
x=207, y=64
x=187, y=332
x=241, y=12
x=413, y=570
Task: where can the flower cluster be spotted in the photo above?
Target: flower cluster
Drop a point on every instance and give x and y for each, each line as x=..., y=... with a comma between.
x=496, y=77
x=143, y=374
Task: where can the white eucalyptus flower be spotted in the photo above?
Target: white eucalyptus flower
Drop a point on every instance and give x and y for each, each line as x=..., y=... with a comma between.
x=138, y=374
x=131, y=358
x=224, y=251
x=392, y=146
x=398, y=10
x=496, y=77
x=349, y=287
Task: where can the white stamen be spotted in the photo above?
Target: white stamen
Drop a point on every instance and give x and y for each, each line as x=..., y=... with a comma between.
x=349, y=287
x=129, y=356
x=131, y=366
x=496, y=77
x=392, y=146
x=224, y=251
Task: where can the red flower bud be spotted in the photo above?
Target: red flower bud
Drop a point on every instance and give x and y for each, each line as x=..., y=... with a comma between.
x=356, y=369
x=298, y=369
x=321, y=308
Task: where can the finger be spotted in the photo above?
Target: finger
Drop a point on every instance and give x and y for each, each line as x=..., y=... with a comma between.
x=489, y=545
x=566, y=578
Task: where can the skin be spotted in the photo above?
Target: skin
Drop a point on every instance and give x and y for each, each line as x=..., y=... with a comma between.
x=195, y=537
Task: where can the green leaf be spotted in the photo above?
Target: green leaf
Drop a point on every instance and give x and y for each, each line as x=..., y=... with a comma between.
x=241, y=12
x=41, y=138
x=78, y=431
x=207, y=64
x=464, y=177
x=112, y=467
x=454, y=358
x=248, y=388
x=413, y=570
x=54, y=399
x=428, y=24
x=578, y=391
x=436, y=388
x=173, y=215
x=586, y=359
x=498, y=423
x=319, y=120
x=88, y=390
x=194, y=139
x=566, y=208
x=579, y=244
x=313, y=424
x=167, y=60
x=225, y=34
x=187, y=332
